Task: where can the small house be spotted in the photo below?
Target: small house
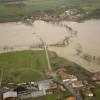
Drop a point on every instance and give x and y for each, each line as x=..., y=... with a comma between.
x=97, y=75
x=71, y=98
x=10, y=95
x=44, y=85
x=67, y=77
x=77, y=84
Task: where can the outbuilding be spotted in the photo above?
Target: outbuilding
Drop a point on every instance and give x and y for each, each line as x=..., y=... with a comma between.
x=10, y=95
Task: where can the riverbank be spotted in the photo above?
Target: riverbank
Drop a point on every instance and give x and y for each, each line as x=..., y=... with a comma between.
x=76, y=16
x=52, y=10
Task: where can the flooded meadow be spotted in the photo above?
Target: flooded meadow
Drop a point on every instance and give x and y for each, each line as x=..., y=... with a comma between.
x=78, y=42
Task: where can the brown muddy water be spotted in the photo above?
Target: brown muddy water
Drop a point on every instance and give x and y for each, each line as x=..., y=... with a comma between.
x=82, y=46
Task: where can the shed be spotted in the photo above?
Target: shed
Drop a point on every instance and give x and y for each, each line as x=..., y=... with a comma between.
x=10, y=95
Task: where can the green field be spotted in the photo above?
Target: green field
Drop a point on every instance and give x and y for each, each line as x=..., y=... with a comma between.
x=30, y=65
x=23, y=66
x=97, y=93
x=14, y=12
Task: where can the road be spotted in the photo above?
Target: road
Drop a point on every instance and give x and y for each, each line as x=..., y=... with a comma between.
x=70, y=89
x=66, y=86
x=47, y=56
x=46, y=51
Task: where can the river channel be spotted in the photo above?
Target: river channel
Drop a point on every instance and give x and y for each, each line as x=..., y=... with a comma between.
x=78, y=42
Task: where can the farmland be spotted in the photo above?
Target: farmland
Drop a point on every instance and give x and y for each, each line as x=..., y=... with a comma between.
x=23, y=66
x=28, y=65
x=15, y=10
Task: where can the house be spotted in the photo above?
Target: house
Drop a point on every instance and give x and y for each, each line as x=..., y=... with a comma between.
x=72, y=78
x=97, y=75
x=48, y=86
x=64, y=76
x=10, y=95
x=71, y=98
x=44, y=85
x=54, y=87
x=77, y=84
x=67, y=77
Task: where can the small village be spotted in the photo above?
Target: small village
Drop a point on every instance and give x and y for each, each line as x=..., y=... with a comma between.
x=50, y=86
x=49, y=50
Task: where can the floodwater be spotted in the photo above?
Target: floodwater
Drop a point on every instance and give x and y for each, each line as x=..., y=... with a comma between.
x=87, y=39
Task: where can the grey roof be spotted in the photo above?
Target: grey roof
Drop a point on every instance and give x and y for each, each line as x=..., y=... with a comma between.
x=44, y=85
x=9, y=94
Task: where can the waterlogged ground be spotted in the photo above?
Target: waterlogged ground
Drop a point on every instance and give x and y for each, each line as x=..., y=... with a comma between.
x=81, y=40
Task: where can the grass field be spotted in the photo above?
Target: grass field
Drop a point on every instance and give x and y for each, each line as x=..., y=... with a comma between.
x=14, y=12
x=97, y=93
x=23, y=66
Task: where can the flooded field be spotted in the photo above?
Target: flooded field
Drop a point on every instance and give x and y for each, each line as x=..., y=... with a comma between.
x=78, y=42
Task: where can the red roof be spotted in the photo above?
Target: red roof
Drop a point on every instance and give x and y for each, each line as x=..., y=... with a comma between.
x=97, y=74
x=78, y=83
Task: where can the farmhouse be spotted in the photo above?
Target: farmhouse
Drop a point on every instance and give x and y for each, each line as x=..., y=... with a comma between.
x=97, y=75
x=67, y=77
x=77, y=84
x=44, y=85
x=10, y=95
